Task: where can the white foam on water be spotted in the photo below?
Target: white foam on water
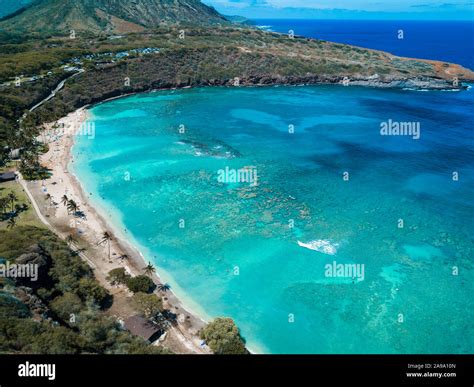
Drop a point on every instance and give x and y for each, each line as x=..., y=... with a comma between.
x=321, y=245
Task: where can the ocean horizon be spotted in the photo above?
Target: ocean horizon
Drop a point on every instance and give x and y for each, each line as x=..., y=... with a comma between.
x=330, y=189
x=236, y=177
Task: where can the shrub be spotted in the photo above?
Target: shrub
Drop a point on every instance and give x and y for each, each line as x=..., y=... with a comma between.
x=89, y=289
x=140, y=283
x=223, y=337
x=66, y=305
x=118, y=276
x=148, y=304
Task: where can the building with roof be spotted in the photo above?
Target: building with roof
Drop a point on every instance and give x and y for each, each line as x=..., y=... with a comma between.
x=7, y=176
x=142, y=327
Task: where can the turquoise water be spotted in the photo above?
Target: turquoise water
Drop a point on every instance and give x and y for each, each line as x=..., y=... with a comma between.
x=257, y=252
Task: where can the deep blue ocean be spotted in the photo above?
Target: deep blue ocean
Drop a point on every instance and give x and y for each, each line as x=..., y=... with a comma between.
x=451, y=41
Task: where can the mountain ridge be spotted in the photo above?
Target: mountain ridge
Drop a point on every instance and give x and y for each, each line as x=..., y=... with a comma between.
x=113, y=16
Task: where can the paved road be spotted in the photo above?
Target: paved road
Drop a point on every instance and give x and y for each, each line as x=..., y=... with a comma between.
x=58, y=87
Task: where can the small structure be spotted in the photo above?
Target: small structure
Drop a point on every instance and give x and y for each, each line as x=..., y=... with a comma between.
x=142, y=327
x=7, y=176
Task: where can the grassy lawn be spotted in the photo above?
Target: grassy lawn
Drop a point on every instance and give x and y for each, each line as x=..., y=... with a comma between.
x=25, y=218
x=9, y=166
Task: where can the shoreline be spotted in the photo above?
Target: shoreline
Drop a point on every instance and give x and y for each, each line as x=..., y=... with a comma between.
x=186, y=330
x=131, y=247
x=181, y=337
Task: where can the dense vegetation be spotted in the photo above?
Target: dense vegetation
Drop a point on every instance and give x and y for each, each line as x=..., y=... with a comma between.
x=223, y=337
x=61, y=312
x=138, y=284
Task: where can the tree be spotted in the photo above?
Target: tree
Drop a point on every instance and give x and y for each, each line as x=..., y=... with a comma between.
x=164, y=287
x=12, y=198
x=149, y=270
x=56, y=341
x=72, y=206
x=4, y=204
x=30, y=166
x=148, y=304
x=66, y=305
x=49, y=199
x=140, y=283
x=64, y=200
x=70, y=239
x=223, y=337
x=11, y=224
x=106, y=239
x=89, y=289
x=118, y=276
x=98, y=332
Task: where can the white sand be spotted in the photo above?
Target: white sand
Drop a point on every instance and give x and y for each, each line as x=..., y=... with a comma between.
x=181, y=338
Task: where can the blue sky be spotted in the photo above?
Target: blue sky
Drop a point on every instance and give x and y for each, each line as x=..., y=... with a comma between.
x=348, y=9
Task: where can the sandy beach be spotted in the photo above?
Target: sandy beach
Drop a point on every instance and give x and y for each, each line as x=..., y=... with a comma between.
x=182, y=337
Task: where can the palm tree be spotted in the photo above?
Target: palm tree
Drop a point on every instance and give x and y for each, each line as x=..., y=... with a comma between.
x=149, y=270
x=3, y=204
x=12, y=198
x=11, y=223
x=123, y=257
x=64, y=200
x=70, y=239
x=164, y=287
x=106, y=239
x=49, y=198
x=72, y=206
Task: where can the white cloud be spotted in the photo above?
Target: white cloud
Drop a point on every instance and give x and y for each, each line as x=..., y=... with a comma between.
x=228, y=4
x=366, y=5
x=428, y=9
